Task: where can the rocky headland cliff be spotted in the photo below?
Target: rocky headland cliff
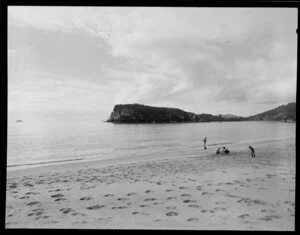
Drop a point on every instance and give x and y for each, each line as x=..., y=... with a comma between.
x=137, y=113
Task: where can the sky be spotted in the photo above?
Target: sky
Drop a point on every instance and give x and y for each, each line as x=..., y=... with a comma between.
x=241, y=61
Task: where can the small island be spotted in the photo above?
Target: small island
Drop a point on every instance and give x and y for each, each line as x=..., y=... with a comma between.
x=138, y=113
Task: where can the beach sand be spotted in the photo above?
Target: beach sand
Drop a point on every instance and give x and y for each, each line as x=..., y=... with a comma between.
x=205, y=192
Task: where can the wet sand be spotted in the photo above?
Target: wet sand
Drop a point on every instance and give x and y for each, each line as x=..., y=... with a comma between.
x=205, y=192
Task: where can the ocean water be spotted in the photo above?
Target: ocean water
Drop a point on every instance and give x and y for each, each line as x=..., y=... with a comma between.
x=59, y=138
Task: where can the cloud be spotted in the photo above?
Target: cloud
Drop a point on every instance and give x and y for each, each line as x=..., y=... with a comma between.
x=175, y=56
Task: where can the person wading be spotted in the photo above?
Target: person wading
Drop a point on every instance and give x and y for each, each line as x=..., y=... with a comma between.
x=252, y=151
x=204, y=141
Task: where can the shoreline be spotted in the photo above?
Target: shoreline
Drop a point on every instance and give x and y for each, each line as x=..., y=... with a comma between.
x=207, y=191
x=72, y=162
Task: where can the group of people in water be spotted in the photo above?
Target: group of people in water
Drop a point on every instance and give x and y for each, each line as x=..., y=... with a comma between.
x=224, y=150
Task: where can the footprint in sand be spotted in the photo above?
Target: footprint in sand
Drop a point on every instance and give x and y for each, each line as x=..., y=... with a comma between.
x=123, y=199
x=132, y=194
x=109, y=195
x=185, y=195
x=57, y=195
x=169, y=198
x=13, y=186
x=28, y=185
x=220, y=208
x=140, y=213
x=270, y=176
x=194, y=206
x=149, y=191
x=244, y=216
x=220, y=203
x=189, y=201
x=169, y=190
x=249, y=201
x=183, y=187
x=206, y=193
x=191, y=219
x=262, y=188
x=85, y=198
x=192, y=180
x=30, y=193
x=171, y=213
x=289, y=202
x=33, y=203
x=143, y=205
x=24, y=197
x=65, y=210
x=95, y=207
x=203, y=211
x=267, y=211
x=150, y=199
x=269, y=217
x=171, y=207
x=59, y=199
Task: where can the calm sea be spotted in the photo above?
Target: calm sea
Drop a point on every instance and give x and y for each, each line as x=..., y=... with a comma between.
x=85, y=137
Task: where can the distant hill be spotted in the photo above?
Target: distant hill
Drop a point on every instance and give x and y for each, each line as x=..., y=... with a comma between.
x=138, y=113
x=285, y=113
x=229, y=116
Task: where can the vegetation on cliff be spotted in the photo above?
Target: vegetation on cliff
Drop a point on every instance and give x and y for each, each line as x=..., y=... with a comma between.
x=137, y=113
x=286, y=113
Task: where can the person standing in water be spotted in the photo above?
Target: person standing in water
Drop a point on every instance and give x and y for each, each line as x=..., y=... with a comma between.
x=204, y=141
x=252, y=151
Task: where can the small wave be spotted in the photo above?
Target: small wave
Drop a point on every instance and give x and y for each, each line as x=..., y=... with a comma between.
x=133, y=148
x=220, y=144
x=41, y=163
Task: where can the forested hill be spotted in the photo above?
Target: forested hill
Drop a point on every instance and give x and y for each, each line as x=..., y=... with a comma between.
x=285, y=113
x=138, y=113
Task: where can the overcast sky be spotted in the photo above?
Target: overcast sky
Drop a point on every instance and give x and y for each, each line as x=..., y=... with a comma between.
x=203, y=60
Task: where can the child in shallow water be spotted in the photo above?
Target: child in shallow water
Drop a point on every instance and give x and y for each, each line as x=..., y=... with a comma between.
x=252, y=151
x=224, y=150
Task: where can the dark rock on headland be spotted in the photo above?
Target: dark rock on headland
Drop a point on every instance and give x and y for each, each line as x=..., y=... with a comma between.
x=137, y=113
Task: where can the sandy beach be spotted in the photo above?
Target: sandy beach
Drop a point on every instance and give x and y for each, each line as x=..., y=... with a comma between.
x=205, y=192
